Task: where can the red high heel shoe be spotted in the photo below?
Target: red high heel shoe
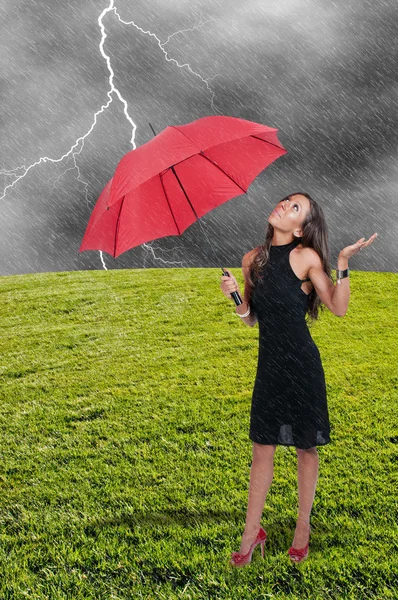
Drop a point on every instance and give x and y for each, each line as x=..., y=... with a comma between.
x=239, y=560
x=299, y=554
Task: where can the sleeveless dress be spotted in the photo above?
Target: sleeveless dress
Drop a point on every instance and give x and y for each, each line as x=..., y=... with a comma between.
x=289, y=403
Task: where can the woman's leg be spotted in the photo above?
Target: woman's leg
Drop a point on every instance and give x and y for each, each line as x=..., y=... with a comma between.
x=307, y=477
x=261, y=474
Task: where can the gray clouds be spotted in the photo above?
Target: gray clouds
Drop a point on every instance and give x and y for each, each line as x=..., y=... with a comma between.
x=322, y=72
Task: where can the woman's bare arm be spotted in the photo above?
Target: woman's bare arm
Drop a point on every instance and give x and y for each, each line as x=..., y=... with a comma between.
x=247, y=260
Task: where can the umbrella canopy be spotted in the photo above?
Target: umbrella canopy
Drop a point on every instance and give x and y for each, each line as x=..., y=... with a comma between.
x=162, y=187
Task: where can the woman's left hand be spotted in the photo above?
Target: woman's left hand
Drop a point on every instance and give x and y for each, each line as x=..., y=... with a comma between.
x=349, y=251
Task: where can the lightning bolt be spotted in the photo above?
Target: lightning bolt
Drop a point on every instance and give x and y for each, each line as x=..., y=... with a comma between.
x=113, y=90
x=161, y=46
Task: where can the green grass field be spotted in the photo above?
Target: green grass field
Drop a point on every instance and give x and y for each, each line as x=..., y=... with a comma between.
x=125, y=456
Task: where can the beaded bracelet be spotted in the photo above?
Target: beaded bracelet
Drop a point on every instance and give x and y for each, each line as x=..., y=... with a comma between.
x=246, y=314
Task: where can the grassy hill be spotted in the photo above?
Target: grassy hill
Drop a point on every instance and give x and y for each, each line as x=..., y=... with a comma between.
x=125, y=456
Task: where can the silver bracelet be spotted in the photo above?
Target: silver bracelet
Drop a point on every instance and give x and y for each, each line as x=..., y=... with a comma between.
x=246, y=314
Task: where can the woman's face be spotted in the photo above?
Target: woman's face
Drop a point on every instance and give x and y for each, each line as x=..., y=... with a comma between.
x=289, y=214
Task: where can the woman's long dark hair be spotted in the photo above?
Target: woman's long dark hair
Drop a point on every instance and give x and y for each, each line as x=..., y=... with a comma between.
x=315, y=235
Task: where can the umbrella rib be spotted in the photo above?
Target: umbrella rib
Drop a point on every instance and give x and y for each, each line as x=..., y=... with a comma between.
x=186, y=195
x=266, y=141
x=117, y=226
x=171, y=210
x=216, y=165
x=182, y=187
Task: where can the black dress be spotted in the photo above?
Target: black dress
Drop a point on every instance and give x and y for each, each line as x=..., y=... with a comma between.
x=289, y=404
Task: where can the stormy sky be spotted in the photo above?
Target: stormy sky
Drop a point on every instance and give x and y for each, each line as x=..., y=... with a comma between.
x=321, y=71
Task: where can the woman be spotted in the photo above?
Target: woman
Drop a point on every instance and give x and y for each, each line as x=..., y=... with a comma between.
x=286, y=278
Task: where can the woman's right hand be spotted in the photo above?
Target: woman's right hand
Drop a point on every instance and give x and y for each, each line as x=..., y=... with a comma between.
x=229, y=284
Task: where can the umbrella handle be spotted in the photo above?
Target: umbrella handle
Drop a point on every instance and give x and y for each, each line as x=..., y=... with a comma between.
x=235, y=295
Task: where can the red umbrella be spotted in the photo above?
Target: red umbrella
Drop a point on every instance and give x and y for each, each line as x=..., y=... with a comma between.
x=162, y=187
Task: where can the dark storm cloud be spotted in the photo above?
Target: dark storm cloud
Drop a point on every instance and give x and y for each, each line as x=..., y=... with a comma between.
x=322, y=72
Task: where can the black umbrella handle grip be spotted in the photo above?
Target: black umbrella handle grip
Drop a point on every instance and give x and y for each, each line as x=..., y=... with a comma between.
x=235, y=295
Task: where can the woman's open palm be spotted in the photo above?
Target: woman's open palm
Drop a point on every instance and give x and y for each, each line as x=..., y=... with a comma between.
x=349, y=251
